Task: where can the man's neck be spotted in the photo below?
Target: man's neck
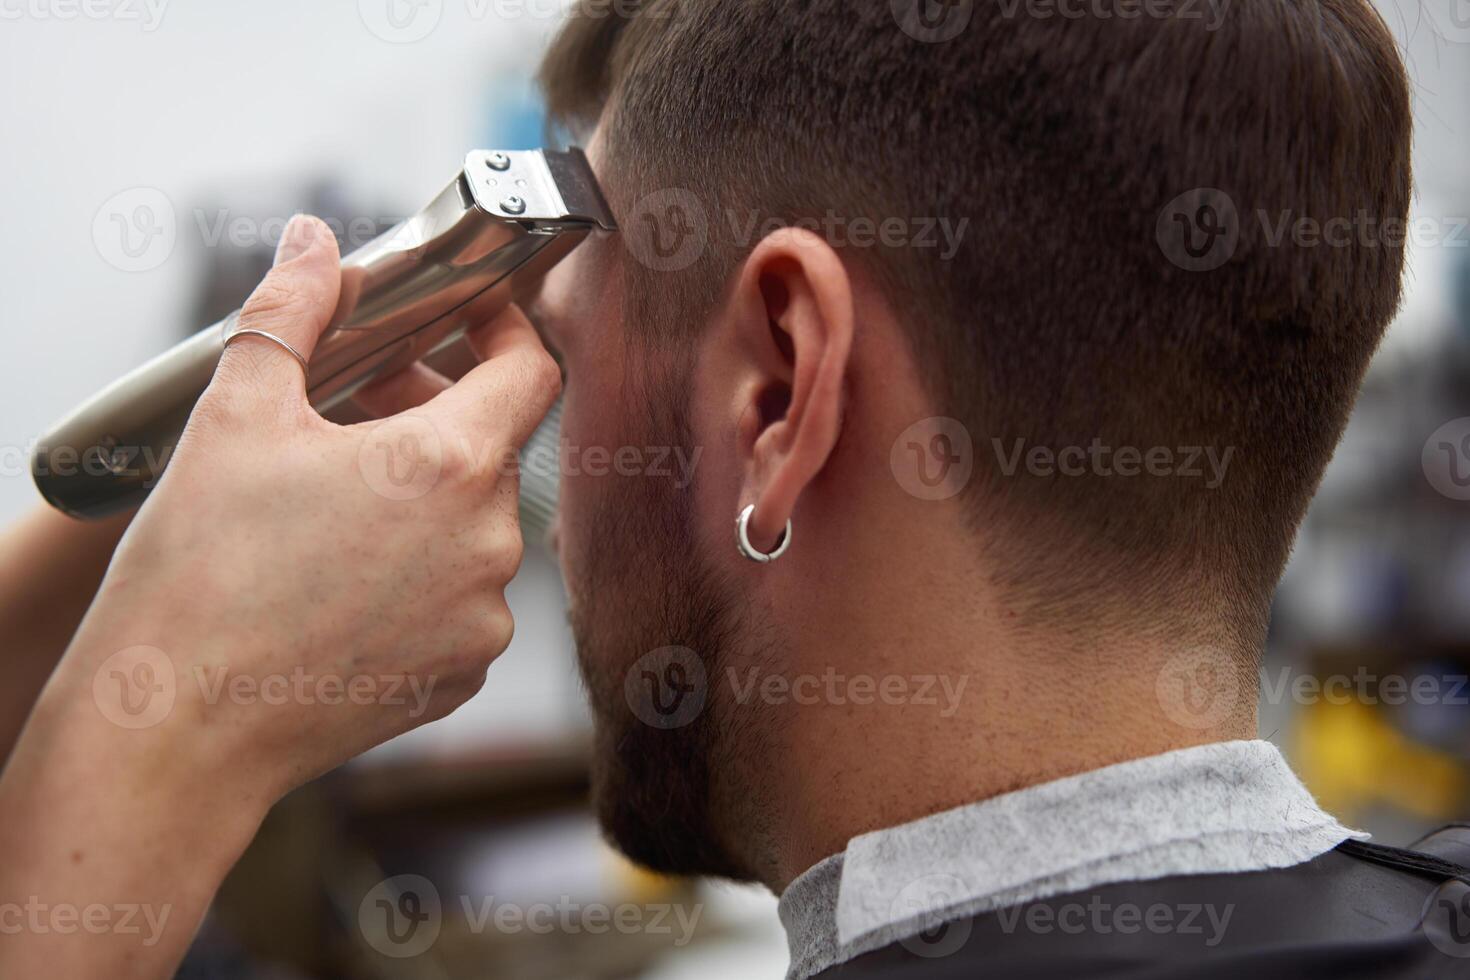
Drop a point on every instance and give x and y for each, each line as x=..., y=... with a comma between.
x=915, y=703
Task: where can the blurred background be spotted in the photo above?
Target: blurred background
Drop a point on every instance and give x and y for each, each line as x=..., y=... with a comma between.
x=150, y=153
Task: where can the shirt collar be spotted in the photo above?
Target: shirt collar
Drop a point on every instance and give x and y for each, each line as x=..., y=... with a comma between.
x=1223, y=807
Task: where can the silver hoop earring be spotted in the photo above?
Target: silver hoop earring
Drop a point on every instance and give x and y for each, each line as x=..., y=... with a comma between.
x=742, y=539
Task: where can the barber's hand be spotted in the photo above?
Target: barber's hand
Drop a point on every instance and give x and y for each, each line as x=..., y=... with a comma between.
x=291, y=594
x=316, y=589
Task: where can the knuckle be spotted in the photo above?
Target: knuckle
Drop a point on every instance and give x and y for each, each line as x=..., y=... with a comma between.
x=500, y=629
x=450, y=697
x=501, y=556
x=484, y=629
x=473, y=683
x=540, y=376
x=549, y=374
x=509, y=551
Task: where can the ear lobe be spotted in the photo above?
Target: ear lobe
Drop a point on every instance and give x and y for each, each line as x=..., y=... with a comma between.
x=806, y=305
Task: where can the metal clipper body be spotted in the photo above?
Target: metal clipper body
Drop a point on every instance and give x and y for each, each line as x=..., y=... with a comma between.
x=414, y=290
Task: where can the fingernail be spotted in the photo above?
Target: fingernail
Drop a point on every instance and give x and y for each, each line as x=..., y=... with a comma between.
x=295, y=239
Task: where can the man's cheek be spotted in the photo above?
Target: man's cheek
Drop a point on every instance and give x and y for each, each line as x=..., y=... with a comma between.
x=573, y=529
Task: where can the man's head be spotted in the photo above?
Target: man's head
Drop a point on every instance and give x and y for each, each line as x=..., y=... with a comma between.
x=1044, y=284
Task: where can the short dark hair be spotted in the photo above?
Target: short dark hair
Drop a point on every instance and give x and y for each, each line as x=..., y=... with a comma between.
x=1089, y=300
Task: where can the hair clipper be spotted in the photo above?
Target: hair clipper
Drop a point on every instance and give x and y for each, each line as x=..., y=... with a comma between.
x=480, y=244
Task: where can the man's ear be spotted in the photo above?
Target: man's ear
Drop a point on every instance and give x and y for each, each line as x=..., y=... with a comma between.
x=793, y=317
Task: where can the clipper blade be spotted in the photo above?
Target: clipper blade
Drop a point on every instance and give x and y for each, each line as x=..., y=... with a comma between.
x=541, y=479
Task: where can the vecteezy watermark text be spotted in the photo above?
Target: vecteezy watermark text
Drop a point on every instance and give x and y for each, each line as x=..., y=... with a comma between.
x=669, y=687
x=1364, y=686
x=1210, y=13
x=64, y=919
x=148, y=12
x=409, y=21
x=669, y=229
x=1200, y=230
x=1100, y=917
x=137, y=688
x=835, y=688
x=941, y=233
x=402, y=917
x=298, y=686
x=1099, y=459
x=1202, y=687
x=402, y=458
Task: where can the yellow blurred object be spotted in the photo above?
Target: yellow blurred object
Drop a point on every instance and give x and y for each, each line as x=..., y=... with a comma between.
x=1350, y=757
x=640, y=885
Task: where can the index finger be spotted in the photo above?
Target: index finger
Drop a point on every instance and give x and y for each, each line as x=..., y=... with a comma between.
x=510, y=391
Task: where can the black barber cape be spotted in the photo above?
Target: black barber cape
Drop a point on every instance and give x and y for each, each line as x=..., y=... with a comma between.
x=1358, y=911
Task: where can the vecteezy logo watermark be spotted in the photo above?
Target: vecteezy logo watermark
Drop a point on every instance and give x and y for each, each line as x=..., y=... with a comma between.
x=1210, y=12
x=1447, y=919
x=1446, y=459
x=1362, y=228
x=136, y=687
x=108, y=458
x=401, y=458
x=301, y=687
x=923, y=901
x=573, y=918
x=673, y=463
x=148, y=12
x=933, y=459
x=831, y=687
x=400, y=21
x=1365, y=687
x=1199, y=230
x=1450, y=19
x=942, y=234
x=1200, y=688
x=1099, y=917
x=218, y=226
x=64, y=919
x=1098, y=459
x=668, y=230
x=932, y=21
x=401, y=916
x=667, y=687
x=135, y=230
x=407, y=21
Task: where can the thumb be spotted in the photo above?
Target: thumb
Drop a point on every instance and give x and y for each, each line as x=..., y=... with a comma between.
x=295, y=302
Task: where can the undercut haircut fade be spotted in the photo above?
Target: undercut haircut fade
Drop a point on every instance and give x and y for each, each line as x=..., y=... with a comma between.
x=1069, y=317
